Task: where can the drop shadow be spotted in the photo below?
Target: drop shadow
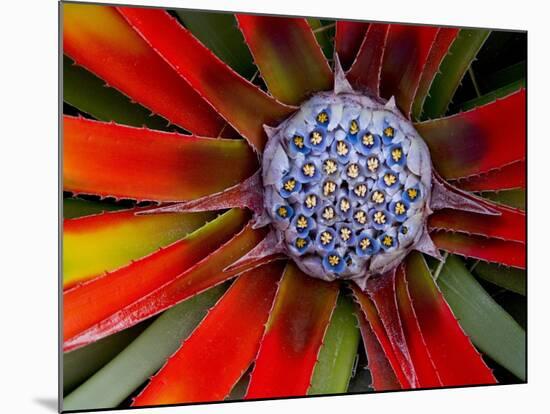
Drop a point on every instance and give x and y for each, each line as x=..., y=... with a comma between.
x=49, y=403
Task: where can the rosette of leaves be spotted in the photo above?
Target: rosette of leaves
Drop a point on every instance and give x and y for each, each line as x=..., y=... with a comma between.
x=173, y=292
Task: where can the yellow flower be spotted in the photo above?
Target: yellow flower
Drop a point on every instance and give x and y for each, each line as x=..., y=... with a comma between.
x=322, y=117
x=345, y=233
x=301, y=223
x=329, y=188
x=282, y=211
x=326, y=237
x=353, y=127
x=396, y=154
x=333, y=260
x=316, y=138
x=399, y=208
x=390, y=179
x=298, y=141
x=308, y=170
x=290, y=184
x=368, y=140
x=364, y=244
x=330, y=167
x=373, y=164
x=412, y=193
x=387, y=241
x=353, y=170
x=378, y=197
x=379, y=217
x=311, y=201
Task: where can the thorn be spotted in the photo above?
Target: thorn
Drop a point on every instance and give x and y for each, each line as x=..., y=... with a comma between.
x=341, y=84
x=391, y=103
x=445, y=195
x=427, y=246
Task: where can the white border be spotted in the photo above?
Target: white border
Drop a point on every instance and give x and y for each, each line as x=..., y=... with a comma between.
x=28, y=231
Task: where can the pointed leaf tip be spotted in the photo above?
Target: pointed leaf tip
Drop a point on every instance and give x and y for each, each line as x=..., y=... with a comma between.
x=246, y=194
x=341, y=84
x=269, y=249
x=445, y=195
x=108, y=159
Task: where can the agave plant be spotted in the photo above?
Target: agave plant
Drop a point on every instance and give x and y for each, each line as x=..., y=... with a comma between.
x=313, y=190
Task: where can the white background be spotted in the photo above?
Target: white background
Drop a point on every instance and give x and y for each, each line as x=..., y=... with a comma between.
x=28, y=207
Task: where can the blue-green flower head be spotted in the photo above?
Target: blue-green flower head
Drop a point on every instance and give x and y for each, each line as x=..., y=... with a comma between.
x=346, y=185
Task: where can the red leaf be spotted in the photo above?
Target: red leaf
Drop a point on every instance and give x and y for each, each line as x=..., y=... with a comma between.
x=348, y=39
x=477, y=247
x=126, y=162
x=511, y=225
x=242, y=104
x=287, y=54
x=454, y=356
x=214, y=357
x=268, y=250
x=366, y=69
x=422, y=361
x=99, y=39
x=383, y=377
x=371, y=314
x=246, y=194
x=487, y=137
x=199, y=277
x=509, y=177
x=405, y=57
x=381, y=290
x=294, y=334
x=103, y=305
x=443, y=40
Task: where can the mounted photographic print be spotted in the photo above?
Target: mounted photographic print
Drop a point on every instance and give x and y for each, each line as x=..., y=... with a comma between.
x=263, y=207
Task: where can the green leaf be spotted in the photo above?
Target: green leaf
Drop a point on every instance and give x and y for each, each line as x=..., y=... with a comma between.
x=219, y=32
x=323, y=31
x=361, y=381
x=239, y=390
x=494, y=95
x=113, y=383
x=490, y=328
x=515, y=305
x=512, y=198
x=337, y=355
x=88, y=93
x=506, y=76
x=453, y=68
x=506, y=277
x=77, y=207
x=79, y=365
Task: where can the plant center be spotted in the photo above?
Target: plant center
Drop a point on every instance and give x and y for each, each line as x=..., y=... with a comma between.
x=346, y=184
